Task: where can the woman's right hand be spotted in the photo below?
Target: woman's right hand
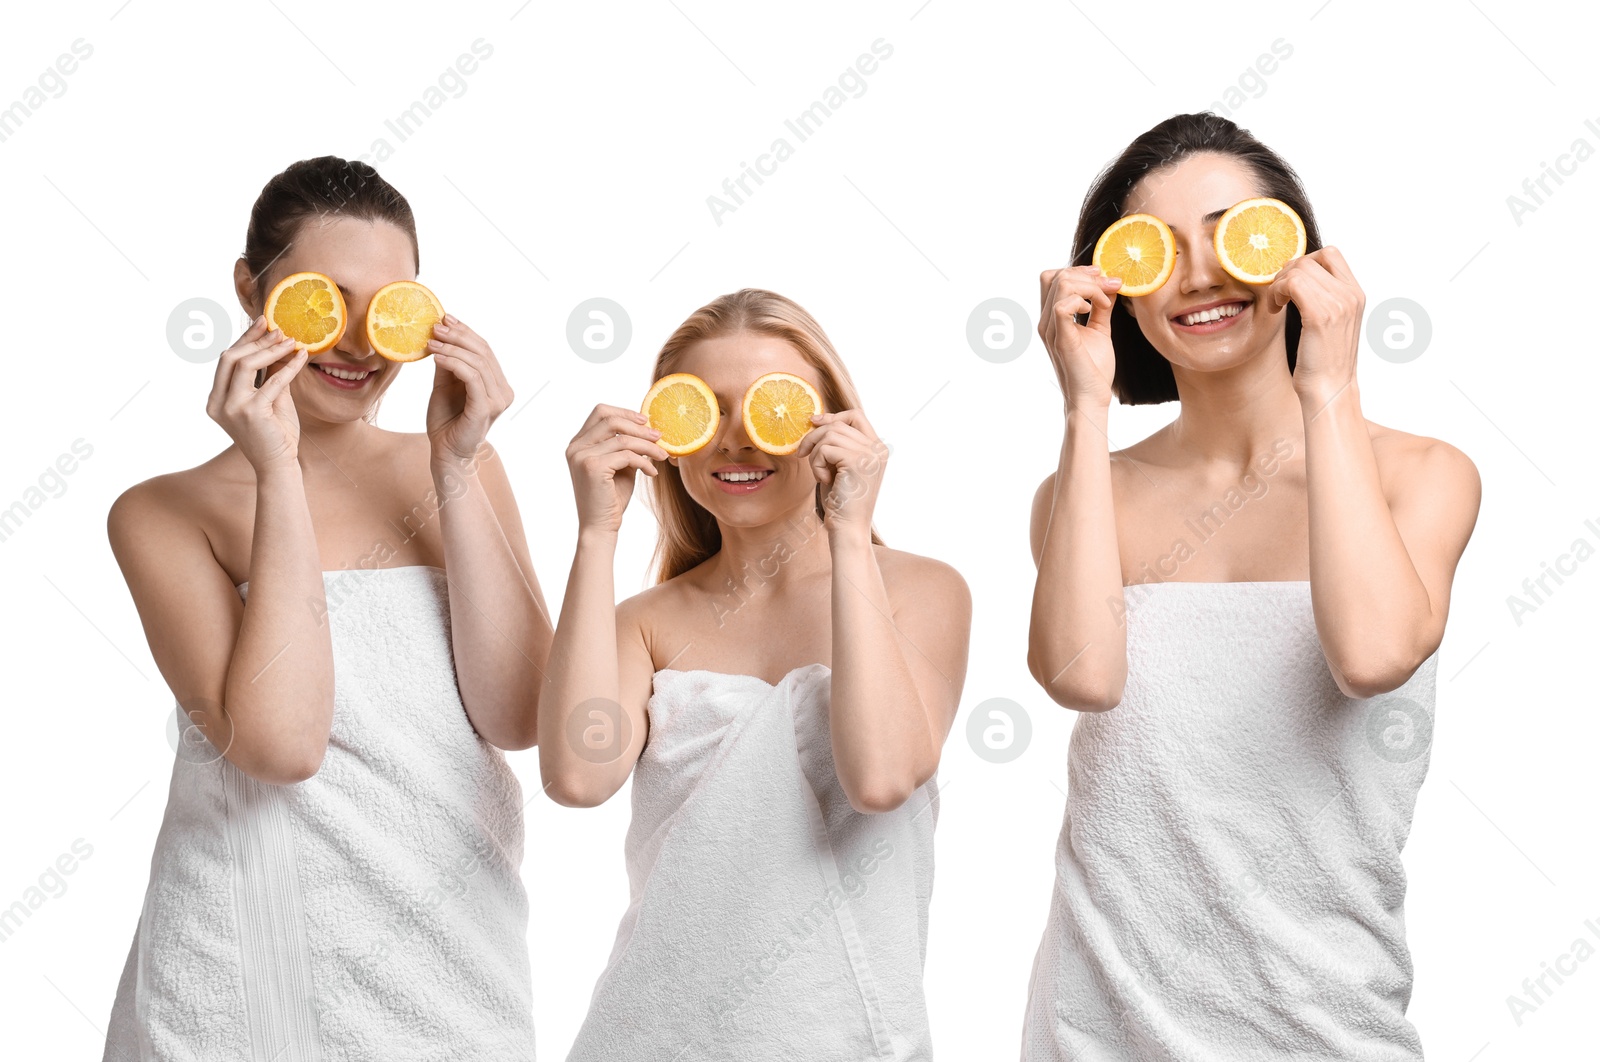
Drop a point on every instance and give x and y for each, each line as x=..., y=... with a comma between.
x=601, y=457
x=1081, y=353
x=261, y=420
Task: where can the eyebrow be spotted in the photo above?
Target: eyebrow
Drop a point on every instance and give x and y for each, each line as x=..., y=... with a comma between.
x=1214, y=215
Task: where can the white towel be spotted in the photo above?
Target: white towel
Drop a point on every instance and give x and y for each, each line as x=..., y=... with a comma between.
x=1228, y=875
x=768, y=918
x=373, y=911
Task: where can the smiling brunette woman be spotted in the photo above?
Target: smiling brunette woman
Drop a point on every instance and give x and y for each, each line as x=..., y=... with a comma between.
x=780, y=699
x=1255, y=725
x=336, y=874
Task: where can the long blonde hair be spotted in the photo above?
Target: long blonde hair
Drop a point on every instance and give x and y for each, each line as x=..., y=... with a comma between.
x=689, y=533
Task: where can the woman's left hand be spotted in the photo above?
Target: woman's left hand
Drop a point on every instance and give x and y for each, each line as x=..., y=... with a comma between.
x=1324, y=290
x=847, y=458
x=469, y=391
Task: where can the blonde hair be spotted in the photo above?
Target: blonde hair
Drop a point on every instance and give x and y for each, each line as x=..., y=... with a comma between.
x=689, y=533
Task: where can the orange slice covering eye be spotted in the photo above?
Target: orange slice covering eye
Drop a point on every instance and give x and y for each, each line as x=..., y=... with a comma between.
x=1258, y=237
x=1138, y=248
x=309, y=309
x=400, y=320
x=777, y=411
x=683, y=408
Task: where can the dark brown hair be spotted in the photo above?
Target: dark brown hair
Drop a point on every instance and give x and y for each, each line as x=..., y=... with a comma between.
x=323, y=187
x=1143, y=376
x=320, y=188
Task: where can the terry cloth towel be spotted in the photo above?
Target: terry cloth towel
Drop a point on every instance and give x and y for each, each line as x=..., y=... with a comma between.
x=373, y=911
x=1228, y=875
x=768, y=918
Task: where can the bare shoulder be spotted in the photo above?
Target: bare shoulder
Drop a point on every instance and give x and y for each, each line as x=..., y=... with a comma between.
x=178, y=527
x=664, y=606
x=1416, y=464
x=183, y=498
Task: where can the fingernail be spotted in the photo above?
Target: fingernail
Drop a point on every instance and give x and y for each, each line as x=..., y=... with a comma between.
x=450, y=319
x=441, y=328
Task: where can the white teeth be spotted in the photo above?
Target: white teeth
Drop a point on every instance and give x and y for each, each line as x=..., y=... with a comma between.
x=740, y=477
x=1216, y=313
x=345, y=374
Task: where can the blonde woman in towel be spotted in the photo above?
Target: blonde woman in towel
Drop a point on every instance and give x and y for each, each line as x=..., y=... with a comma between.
x=780, y=698
x=1245, y=607
x=351, y=625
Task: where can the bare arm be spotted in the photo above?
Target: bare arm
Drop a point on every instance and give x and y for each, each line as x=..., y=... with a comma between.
x=898, y=669
x=500, y=629
x=1380, y=570
x=597, y=682
x=257, y=677
x=1077, y=642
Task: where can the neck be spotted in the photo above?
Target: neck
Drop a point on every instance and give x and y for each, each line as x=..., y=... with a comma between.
x=773, y=555
x=332, y=446
x=1232, y=415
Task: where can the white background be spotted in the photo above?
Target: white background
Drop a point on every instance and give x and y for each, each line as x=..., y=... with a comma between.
x=577, y=164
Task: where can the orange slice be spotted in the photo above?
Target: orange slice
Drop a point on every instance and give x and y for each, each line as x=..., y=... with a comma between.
x=308, y=308
x=683, y=408
x=1258, y=237
x=777, y=411
x=1138, y=248
x=400, y=320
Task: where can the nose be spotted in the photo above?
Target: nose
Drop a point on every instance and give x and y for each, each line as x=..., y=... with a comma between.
x=1197, y=268
x=731, y=435
x=354, y=343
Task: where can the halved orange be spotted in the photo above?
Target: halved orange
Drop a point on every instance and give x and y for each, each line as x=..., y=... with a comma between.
x=683, y=408
x=1257, y=237
x=1138, y=248
x=400, y=320
x=777, y=411
x=308, y=308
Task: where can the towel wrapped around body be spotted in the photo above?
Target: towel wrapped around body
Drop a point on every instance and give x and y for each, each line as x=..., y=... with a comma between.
x=768, y=918
x=1228, y=873
x=374, y=910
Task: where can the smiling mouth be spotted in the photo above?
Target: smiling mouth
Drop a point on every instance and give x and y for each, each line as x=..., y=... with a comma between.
x=743, y=477
x=339, y=372
x=1216, y=313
